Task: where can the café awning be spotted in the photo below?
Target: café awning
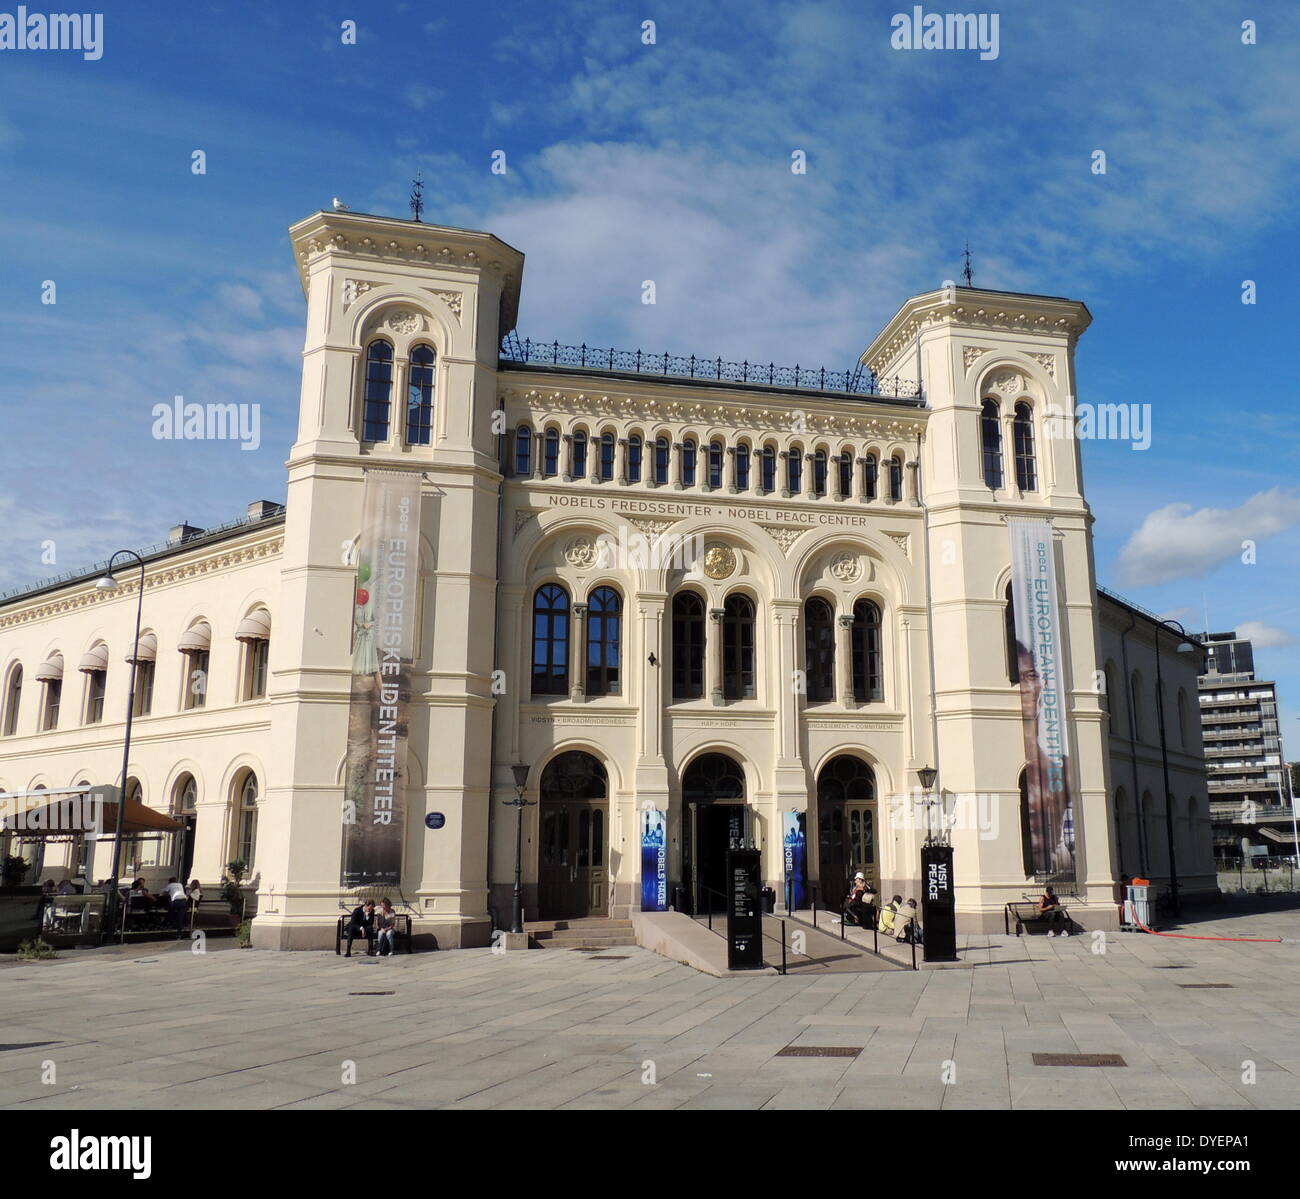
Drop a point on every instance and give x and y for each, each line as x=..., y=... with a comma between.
x=51, y=819
x=145, y=650
x=95, y=661
x=256, y=626
x=196, y=640
x=51, y=670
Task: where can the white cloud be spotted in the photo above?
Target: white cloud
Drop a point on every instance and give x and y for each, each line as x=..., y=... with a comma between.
x=1179, y=542
x=1264, y=636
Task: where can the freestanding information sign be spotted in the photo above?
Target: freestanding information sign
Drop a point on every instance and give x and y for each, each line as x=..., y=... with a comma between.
x=938, y=904
x=744, y=910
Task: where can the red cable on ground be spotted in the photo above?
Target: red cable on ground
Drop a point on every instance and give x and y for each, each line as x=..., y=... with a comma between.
x=1189, y=937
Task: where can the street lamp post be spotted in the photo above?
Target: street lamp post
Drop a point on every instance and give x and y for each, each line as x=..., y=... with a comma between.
x=1185, y=644
x=927, y=775
x=519, y=803
x=109, y=583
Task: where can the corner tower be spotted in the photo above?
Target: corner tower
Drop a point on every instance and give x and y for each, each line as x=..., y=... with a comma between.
x=404, y=321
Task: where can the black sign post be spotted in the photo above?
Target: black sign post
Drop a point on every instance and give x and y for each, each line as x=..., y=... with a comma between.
x=938, y=904
x=744, y=910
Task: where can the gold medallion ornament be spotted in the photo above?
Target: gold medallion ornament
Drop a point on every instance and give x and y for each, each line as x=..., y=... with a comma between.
x=719, y=561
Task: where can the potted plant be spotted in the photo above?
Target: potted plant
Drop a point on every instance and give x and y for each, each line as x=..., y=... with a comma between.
x=231, y=890
x=13, y=869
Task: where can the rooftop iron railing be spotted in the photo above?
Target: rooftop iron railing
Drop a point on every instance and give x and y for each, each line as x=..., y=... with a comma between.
x=858, y=381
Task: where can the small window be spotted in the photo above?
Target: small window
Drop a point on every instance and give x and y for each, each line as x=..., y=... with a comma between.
x=742, y=467
x=661, y=460
x=53, y=701
x=96, y=685
x=419, y=400
x=259, y=656
x=580, y=455
x=991, y=440
x=715, y=464
x=607, y=456
x=196, y=680
x=690, y=453
x=870, y=477
x=13, y=698
x=769, y=468
x=246, y=821
x=144, y=672
x=378, y=392
x=846, y=474
x=896, y=478
x=1026, y=467
x=634, y=450
x=794, y=470
x=819, y=473
x=551, y=455
x=523, y=452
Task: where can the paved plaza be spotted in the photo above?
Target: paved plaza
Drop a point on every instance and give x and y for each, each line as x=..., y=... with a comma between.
x=159, y=1026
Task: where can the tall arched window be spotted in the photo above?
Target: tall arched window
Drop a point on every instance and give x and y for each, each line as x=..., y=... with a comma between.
x=896, y=478
x=742, y=467
x=634, y=448
x=551, y=640
x=688, y=646
x=378, y=392
x=1026, y=827
x=604, y=641
x=769, y=468
x=715, y=464
x=738, y=647
x=819, y=473
x=661, y=461
x=794, y=470
x=819, y=650
x=13, y=698
x=1009, y=629
x=523, y=451
x=607, y=456
x=551, y=453
x=868, y=657
x=1023, y=430
x=871, y=476
x=50, y=674
x=690, y=455
x=419, y=396
x=991, y=440
x=846, y=473
x=580, y=455
x=246, y=820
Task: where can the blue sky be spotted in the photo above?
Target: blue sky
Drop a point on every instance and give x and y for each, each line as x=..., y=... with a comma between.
x=669, y=161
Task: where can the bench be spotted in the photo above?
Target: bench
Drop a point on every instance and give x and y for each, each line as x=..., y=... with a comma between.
x=1029, y=918
x=401, y=933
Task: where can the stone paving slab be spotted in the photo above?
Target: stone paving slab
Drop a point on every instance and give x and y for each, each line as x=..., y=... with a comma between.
x=159, y=1026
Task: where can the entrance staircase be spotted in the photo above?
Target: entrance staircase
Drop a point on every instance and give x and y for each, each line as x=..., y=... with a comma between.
x=589, y=932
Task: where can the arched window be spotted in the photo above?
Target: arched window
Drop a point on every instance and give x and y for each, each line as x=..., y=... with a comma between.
x=551, y=640
x=523, y=452
x=871, y=476
x=1009, y=623
x=690, y=455
x=419, y=396
x=634, y=448
x=579, y=455
x=769, y=468
x=1135, y=698
x=738, y=647
x=246, y=820
x=607, y=456
x=742, y=467
x=688, y=646
x=794, y=470
x=991, y=439
x=1022, y=429
x=715, y=464
x=604, y=641
x=378, y=393
x=896, y=478
x=195, y=646
x=868, y=658
x=819, y=650
x=1026, y=827
x=551, y=454
x=819, y=473
x=254, y=634
x=185, y=795
x=846, y=473
x=661, y=461
x=13, y=698
x=50, y=674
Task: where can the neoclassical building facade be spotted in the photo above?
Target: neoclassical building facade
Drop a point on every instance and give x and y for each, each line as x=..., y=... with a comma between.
x=726, y=594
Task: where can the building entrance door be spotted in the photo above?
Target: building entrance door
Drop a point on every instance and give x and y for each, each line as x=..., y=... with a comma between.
x=846, y=825
x=717, y=819
x=572, y=876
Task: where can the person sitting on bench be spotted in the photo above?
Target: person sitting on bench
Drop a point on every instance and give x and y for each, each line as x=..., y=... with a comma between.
x=889, y=914
x=1049, y=908
x=385, y=927
x=363, y=922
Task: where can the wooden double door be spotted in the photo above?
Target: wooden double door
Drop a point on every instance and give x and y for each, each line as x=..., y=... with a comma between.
x=846, y=828
x=573, y=849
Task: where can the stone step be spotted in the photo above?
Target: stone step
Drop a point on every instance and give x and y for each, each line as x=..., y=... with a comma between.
x=584, y=938
x=587, y=924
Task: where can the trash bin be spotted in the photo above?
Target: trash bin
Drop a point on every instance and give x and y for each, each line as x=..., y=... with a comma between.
x=769, y=900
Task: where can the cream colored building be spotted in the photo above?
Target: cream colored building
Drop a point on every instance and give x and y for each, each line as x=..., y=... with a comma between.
x=724, y=600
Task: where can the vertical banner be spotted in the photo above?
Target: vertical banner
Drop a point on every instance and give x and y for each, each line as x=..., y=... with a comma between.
x=938, y=904
x=1043, y=702
x=795, y=842
x=383, y=648
x=654, y=861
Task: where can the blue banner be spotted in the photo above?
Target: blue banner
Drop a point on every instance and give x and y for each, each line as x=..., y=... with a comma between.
x=654, y=861
x=796, y=856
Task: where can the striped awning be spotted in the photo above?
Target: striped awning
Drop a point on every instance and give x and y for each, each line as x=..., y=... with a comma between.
x=95, y=661
x=196, y=640
x=256, y=626
x=145, y=650
x=51, y=670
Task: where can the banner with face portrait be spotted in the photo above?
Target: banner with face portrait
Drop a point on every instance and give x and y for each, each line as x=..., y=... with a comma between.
x=654, y=861
x=1043, y=700
x=794, y=841
x=383, y=649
